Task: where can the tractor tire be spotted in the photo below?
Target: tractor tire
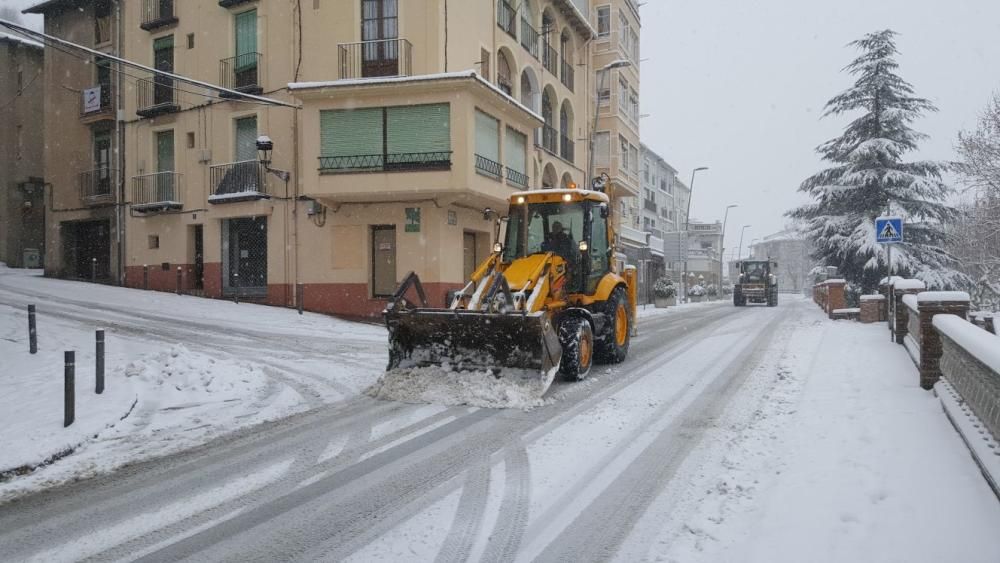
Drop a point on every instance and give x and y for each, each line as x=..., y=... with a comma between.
x=577, y=340
x=772, y=300
x=612, y=346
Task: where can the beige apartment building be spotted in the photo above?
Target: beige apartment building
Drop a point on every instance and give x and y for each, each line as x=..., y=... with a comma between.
x=84, y=212
x=414, y=117
x=21, y=152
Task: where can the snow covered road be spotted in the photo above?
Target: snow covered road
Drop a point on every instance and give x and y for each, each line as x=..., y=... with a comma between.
x=615, y=467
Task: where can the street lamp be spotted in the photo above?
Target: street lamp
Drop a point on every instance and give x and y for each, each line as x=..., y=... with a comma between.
x=602, y=73
x=687, y=220
x=722, y=243
x=739, y=253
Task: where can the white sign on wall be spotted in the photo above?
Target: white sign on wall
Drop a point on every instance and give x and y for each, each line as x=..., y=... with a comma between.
x=92, y=99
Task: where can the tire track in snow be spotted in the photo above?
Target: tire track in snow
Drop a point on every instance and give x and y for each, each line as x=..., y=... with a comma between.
x=469, y=516
x=505, y=540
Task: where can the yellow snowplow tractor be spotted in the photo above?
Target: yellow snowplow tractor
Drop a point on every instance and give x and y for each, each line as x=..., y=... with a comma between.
x=547, y=298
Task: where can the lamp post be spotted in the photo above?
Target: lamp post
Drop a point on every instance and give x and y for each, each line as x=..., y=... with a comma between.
x=739, y=253
x=602, y=73
x=722, y=244
x=687, y=220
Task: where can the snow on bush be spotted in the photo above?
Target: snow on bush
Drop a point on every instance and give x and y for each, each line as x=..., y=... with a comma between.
x=664, y=288
x=696, y=291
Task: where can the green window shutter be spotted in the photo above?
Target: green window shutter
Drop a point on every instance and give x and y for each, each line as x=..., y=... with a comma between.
x=246, y=139
x=165, y=151
x=514, y=150
x=246, y=40
x=414, y=130
x=487, y=136
x=352, y=132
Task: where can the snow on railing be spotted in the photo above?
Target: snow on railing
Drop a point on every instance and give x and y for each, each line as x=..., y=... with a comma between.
x=970, y=362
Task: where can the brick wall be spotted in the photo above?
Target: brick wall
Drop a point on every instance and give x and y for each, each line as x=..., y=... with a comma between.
x=901, y=319
x=872, y=308
x=929, y=339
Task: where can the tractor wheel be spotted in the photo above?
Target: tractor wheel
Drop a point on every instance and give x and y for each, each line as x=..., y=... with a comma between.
x=577, y=340
x=613, y=345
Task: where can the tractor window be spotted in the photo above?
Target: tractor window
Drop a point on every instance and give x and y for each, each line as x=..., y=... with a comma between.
x=598, y=252
x=551, y=227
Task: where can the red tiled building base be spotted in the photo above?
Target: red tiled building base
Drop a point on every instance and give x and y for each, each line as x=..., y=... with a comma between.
x=160, y=279
x=354, y=300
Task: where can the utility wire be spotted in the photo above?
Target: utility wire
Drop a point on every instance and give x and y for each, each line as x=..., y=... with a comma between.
x=20, y=92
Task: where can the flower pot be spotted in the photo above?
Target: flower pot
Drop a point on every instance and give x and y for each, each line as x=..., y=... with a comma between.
x=663, y=302
x=696, y=298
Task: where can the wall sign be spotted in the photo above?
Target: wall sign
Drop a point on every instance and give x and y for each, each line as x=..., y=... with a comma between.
x=92, y=99
x=413, y=219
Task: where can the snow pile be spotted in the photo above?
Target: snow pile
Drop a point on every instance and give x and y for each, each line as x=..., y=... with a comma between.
x=939, y=296
x=515, y=389
x=878, y=297
x=909, y=284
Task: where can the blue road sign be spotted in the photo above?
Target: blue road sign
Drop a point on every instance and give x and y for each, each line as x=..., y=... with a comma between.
x=889, y=230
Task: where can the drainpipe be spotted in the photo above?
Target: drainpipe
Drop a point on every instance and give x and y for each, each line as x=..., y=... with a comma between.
x=119, y=147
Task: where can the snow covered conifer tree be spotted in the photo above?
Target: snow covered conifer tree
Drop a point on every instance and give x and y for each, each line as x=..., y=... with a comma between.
x=868, y=171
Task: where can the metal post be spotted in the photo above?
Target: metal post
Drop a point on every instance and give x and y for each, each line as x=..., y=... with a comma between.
x=236, y=294
x=145, y=276
x=888, y=279
x=300, y=296
x=32, y=332
x=93, y=270
x=179, y=274
x=69, y=388
x=99, y=368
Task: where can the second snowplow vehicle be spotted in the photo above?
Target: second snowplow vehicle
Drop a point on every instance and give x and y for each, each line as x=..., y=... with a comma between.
x=547, y=298
x=756, y=284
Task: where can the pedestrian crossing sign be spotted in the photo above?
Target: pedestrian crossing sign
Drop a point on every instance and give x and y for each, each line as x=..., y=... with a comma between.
x=889, y=230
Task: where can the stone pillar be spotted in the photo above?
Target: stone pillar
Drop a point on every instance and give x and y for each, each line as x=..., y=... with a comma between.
x=835, y=298
x=872, y=308
x=990, y=323
x=936, y=303
x=902, y=318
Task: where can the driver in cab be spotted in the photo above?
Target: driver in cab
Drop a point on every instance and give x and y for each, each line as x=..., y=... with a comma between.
x=560, y=242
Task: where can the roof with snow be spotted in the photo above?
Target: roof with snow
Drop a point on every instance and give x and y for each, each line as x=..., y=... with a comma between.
x=6, y=36
x=42, y=7
x=459, y=75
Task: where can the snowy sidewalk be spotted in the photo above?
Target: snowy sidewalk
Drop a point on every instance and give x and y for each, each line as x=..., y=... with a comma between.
x=845, y=458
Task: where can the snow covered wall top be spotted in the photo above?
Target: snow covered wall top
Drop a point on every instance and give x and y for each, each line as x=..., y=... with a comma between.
x=983, y=346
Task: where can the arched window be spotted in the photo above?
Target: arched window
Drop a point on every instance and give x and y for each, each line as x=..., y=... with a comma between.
x=503, y=74
x=549, y=135
x=566, y=146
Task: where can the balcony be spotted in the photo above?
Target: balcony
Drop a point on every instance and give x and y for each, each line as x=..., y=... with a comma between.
x=157, y=14
x=488, y=168
x=529, y=38
x=503, y=82
x=567, y=75
x=238, y=181
x=517, y=179
x=241, y=73
x=550, y=139
x=159, y=191
x=550, y=59
x=156, y=96
x=507, y=18
x=95, y=104
x=372, y=59
x=567, y=149
x=392, y=162
x=650, y=205
x=232, y=3
x=95, y=186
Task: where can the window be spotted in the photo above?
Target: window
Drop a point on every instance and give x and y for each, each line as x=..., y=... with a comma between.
x=604, y=21
x=379, y=22
x=623, y=95
x=190, y=40
x=102, y=21
x=487, y=145
x=634, y=45
x=645, y=170
x=246, y=139
x=484, y=63
x=633, y=159
x=633, y=104
x=623, y=37
x=515, y=149
x=503, y=74
x=20, y=80
x=163, y=59
x=602, y=149
x=624, y=153
x=190, y=139
x=392, y=138
x=153, y=241
x=103, y=67
x=603, y=87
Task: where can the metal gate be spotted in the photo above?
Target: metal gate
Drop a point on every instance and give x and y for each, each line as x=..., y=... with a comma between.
x=244, y=256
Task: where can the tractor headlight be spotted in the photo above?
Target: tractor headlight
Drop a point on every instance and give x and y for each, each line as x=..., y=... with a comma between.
x=584, y=246
x=520, y=199
x=567, y=197
x=497, y=247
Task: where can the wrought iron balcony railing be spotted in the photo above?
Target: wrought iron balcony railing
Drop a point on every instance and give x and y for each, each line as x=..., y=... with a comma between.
x=156, y=96
x=488, y=167
x=503, y=82
x=550, y=59
x=238, y=181
x=157, y=191
x=529, y=38
x=157, y=13
x=550, y=139
x=369, y=59
x=567, y=148
x=507, y=18
x=515, y=178
x=392, y=162
x=567, y=75
x=241, y=73
x=96, y=185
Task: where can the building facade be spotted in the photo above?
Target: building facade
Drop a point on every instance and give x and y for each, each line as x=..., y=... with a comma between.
x=413, y=118
x=22, y=141
x=792, y=252
x=704, y=253
x=85, y=213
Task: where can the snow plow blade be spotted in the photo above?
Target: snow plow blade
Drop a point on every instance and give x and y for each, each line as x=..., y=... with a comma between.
x=461, y=340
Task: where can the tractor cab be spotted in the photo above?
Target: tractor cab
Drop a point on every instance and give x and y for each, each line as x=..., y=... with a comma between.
x=573, y=228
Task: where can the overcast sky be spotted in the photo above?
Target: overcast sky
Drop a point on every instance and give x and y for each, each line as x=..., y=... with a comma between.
x=739, y=86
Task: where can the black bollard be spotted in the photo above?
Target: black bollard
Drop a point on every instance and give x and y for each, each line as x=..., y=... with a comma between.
x=93, y=270
x=179, y=274
x=32, y=332
x=69, y=391
x=145, y=276
x=300, y=296
x=236, y=293
x=99, y=368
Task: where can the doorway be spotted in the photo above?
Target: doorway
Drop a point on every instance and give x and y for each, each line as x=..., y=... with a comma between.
x=83, y=242
x=244, y=256
x=383, y=260
x=470, y=258
x=199, y=256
